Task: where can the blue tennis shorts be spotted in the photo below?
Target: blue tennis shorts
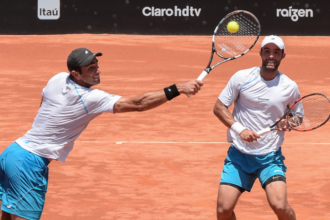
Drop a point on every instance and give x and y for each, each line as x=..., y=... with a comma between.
x=23, y=182
x=242, y=169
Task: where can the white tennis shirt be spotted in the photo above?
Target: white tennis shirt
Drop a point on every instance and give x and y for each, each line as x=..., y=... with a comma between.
x=258, y=103
x=66, y=110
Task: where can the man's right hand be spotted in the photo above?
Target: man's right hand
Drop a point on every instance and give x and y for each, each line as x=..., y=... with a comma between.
x=190, y=87
x=249, y=136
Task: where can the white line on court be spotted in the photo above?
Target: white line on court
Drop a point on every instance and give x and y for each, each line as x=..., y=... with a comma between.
x=190, y=142
x=169, y=142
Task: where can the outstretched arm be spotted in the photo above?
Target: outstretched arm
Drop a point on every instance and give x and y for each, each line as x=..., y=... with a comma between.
x=224, y=115
x=153, y=99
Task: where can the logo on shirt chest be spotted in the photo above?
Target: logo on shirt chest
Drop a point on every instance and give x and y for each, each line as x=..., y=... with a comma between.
x=263, y=99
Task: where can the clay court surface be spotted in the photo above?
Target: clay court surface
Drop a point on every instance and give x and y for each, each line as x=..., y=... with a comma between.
x=164, y=163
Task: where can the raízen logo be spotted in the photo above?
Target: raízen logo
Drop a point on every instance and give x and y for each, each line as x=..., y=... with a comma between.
x=294, y=13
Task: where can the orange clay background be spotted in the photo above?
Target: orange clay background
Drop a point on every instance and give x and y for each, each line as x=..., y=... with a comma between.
x=164, y=163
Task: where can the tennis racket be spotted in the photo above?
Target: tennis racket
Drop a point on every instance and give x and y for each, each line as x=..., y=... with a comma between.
x=306, y=114
x=230, y=46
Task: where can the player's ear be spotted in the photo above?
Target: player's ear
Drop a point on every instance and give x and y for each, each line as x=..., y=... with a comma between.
x=75, y=74
x=283, y=55
x=260, y=52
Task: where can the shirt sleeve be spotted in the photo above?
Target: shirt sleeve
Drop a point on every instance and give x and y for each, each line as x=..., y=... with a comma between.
x=230, y=93
x=296, y=92
x=99, y=101
x=54, y=79
x=298, y=108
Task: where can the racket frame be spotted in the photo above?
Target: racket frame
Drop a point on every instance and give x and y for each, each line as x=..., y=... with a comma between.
x=302, y=130
x=271, y=128
x=209, y=67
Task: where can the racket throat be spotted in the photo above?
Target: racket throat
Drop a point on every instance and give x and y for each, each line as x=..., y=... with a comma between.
x=203, y=75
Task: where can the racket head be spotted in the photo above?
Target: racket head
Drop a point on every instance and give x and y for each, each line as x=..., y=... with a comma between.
x=229, y=45
x=310, y=112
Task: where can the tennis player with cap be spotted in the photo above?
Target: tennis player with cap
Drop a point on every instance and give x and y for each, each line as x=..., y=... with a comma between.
x=260, y=96
x=68, y=105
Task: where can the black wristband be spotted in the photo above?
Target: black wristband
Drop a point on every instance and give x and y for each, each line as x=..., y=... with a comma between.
x=171, y=92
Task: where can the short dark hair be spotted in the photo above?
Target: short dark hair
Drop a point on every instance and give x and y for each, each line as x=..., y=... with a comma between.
x=77, y=69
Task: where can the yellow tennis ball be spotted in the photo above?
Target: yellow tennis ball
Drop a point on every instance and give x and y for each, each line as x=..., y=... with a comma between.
x=232, y=27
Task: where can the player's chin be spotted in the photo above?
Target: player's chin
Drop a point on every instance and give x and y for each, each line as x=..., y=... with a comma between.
x=97, y=81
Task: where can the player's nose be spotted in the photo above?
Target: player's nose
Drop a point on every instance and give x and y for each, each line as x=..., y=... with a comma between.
x=271, y=56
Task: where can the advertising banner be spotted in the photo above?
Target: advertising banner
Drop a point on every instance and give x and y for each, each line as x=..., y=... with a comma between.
x=192, y=17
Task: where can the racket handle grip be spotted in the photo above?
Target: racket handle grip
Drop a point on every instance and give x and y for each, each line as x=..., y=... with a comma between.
x=264, y=131
x=202, y=76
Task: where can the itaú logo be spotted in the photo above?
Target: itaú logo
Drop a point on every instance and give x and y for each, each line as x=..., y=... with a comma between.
x=294, y=13
x=48, y=9
x=161, y=12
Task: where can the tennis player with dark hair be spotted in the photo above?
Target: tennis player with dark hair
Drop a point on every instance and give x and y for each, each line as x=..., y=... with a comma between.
x=260, y=96
x=68, y=105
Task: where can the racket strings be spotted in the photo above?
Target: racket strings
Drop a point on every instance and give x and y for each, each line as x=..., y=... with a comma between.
x=232, y=44
x=311, y=112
